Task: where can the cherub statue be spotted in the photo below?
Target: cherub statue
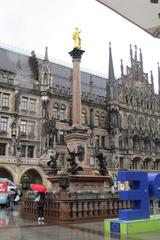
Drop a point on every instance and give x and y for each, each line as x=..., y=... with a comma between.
x=102, y=163
x=76, y=38
x=52, y=163
x=71, y=158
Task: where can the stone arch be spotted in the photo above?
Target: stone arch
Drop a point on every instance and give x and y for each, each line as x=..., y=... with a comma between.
x=39, y=176
x=6, y=172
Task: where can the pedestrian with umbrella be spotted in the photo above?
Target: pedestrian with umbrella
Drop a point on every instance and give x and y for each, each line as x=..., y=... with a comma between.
x=40, y=200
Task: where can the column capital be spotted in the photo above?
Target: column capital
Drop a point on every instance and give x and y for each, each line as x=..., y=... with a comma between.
x=76, y=53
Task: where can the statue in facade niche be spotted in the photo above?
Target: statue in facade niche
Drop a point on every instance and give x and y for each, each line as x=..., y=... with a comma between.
x=52, y=130
x=76, y=38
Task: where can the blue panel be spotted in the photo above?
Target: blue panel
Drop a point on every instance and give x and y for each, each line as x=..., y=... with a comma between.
x=114, y=227
x=154, y=185
x=138, y=195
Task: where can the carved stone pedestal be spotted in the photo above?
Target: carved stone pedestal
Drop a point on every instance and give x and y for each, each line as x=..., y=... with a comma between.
x=78, y=137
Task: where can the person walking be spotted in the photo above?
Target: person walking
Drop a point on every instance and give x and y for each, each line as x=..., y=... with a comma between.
x=11, y=198
x=40, y=203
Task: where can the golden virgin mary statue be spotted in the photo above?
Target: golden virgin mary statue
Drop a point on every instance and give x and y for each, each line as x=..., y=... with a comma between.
x=76, y=38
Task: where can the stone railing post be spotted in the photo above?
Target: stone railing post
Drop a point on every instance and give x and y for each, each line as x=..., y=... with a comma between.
x=64, y=208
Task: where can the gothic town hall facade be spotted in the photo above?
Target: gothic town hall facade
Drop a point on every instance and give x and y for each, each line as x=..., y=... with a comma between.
x=122, y=115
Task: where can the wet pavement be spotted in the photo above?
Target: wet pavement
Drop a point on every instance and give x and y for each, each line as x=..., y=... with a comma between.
x=12, y=226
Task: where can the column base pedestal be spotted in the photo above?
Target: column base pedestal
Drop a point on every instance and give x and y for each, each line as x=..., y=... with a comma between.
x=127, y=229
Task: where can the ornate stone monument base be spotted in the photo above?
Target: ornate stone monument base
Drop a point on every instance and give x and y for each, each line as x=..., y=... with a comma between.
x=81, y=182
x=78, y=137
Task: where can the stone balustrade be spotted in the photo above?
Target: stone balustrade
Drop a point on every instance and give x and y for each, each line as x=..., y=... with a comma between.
x=71, y=210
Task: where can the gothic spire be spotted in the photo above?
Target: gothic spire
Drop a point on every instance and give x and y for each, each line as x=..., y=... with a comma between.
x=141, y=59
x=46, y=75
x=135, y=54
x=131, y=55
x=111, y=68
x=122, y=72
x=46, y=55
x=152, y=81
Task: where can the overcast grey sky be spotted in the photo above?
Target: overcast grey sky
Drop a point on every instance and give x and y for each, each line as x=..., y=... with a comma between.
x=32, y=25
